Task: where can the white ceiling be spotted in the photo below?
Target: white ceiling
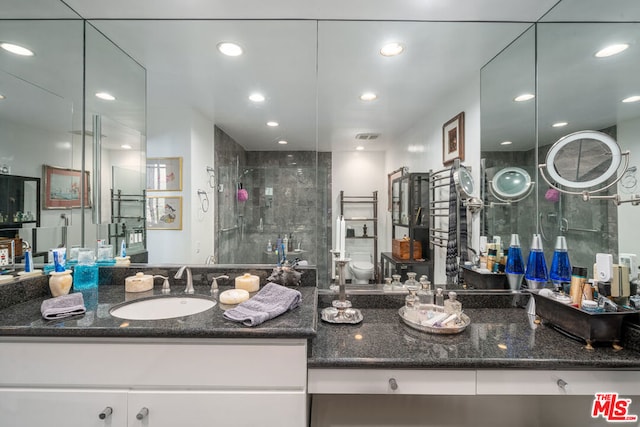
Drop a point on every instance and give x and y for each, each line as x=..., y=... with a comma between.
x=311, y=71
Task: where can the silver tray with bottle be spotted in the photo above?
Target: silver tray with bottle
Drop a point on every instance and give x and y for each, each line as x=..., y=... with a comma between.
x=444, y=330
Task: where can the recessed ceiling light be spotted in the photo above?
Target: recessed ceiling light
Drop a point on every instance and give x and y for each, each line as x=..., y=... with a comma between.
x=391, y=49
x=524, y=97
x=368, y=96
x=282, y=142
x=506, y=143
x=359, y=148
x=1, y=96
x=634, y=98
x=273, y=124
x=256, y=97
x=106, y=96
x=14, y=48
x=559, y=124
x=611, y=50
x=229, y=49
x=126, y=146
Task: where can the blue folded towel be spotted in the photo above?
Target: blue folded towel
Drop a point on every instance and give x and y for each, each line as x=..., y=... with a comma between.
x=271, y=301
x=63, y=306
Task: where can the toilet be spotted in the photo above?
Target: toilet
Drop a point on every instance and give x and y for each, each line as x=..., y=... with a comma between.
x=360, y=267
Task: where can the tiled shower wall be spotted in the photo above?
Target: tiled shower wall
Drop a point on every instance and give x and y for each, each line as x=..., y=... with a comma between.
x=289, y=193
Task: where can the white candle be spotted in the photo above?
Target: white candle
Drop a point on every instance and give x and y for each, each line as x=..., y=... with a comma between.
x=336, y=244
x=343, y=235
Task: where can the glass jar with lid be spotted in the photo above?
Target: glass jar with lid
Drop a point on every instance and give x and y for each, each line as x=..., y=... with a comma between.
x=452, y=305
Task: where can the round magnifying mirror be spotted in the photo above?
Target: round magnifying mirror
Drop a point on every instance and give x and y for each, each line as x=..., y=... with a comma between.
x=511, y=184
x=583, y=159
x=464, y=182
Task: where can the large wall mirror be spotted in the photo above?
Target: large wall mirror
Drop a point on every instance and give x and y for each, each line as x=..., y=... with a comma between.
x=574, y=89
x=41, y=105
x=43, y=135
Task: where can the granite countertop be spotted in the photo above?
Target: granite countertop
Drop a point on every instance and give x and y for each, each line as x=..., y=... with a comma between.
x=23, y=318
x=498, y=338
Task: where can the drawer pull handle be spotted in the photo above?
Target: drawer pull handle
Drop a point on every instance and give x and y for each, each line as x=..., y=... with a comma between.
x=393, y=384
x=562, y=384
x=106, y=412
x=142, y=414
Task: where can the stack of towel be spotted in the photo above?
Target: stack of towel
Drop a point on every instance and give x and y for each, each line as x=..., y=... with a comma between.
x=63, y=306
x=271, y=301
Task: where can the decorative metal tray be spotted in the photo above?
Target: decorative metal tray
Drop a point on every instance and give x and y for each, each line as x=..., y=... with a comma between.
x=444, y=330
x=591, y=327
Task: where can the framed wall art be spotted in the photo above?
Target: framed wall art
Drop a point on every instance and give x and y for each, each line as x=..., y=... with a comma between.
x=453, y=140
x=62, y=188
x=164, y=213
x=164, y=174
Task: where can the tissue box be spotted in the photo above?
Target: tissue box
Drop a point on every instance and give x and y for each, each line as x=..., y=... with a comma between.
x=400, y=249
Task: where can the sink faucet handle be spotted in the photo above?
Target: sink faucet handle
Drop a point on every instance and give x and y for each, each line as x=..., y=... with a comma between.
x=165, y=285
x=214, y=283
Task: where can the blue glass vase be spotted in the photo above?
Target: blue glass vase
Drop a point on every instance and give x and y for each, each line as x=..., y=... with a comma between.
x=536, y=273
x=515, y=263
x=560, y=272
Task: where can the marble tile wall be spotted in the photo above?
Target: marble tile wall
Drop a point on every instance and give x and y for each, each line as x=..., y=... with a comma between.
x=289, y=194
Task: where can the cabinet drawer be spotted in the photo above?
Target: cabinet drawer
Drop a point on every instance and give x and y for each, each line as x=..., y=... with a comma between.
x=525, y=382
x=380, y=381
x=221, y=363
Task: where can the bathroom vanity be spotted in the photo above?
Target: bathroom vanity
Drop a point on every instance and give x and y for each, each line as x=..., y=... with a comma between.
x=295, y=369
x=96, y=370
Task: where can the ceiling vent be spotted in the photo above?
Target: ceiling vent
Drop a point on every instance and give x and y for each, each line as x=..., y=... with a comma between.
x=367, y=136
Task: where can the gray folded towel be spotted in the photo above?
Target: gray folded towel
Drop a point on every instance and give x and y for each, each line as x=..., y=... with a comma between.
x=271, y=301
x=63, y=306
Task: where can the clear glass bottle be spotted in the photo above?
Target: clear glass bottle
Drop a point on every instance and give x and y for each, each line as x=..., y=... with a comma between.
x=439, y=297
x=425, y=294
x=396, y=283
x=387, y=284
x=411, y=301
x=411, y=282
x=452, y=305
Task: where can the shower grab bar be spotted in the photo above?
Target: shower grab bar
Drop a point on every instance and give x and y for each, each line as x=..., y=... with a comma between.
x=225, y=230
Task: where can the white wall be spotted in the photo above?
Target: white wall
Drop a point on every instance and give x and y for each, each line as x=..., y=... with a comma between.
x=169, y=135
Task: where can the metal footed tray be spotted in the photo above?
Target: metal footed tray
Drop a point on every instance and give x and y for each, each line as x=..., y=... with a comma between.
x=444, y=330
x=348, y=315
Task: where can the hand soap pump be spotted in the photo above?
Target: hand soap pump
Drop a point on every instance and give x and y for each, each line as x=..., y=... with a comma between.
x=515, y=264
x=536, y=273
x=560, y=272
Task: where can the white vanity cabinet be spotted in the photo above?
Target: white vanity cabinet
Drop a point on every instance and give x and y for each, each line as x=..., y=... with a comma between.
x=32, y=406
x=152, y=383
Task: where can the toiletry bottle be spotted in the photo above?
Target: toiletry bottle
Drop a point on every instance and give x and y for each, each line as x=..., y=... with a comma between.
x=425, y=294
x=85, y=272
x=439, y=297
x=536, y=273
x=560, y=272
x=491, y=259
x=452, y=305
x=578, y=282
x=290, y=243
x=285, y=243
x=269, y=247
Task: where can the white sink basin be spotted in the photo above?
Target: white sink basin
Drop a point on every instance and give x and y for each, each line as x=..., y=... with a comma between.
x=162, y=307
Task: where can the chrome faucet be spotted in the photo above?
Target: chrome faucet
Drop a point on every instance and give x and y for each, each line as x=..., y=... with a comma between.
x=189, y=288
